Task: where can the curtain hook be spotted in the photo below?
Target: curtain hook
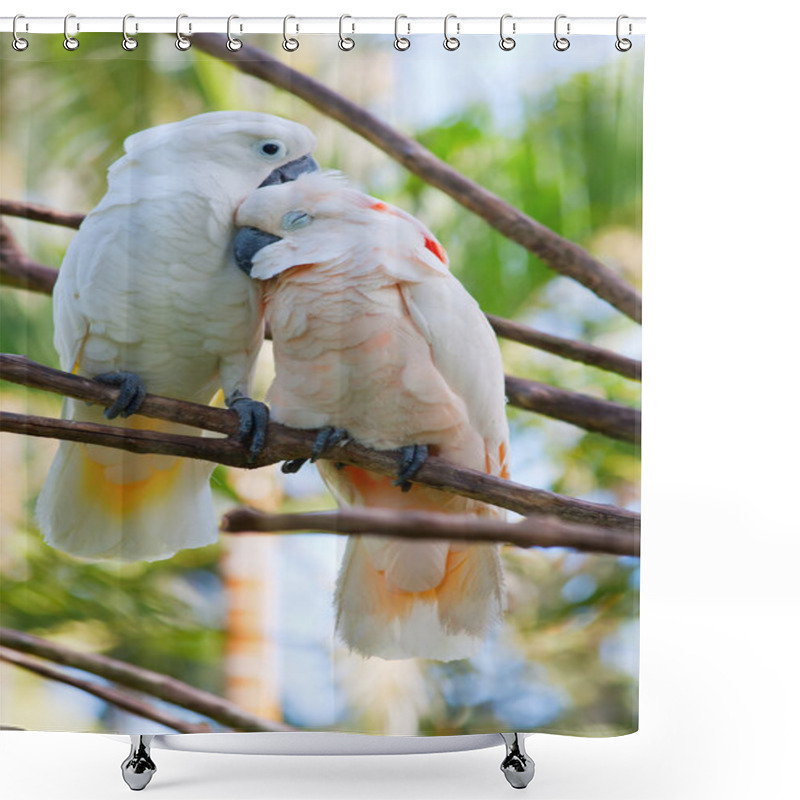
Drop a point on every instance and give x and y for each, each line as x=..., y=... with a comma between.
x=128, y=42
x=507, y=42
x=182, y=42
x=18, y=43
x=623, y=45
x=561, y=43
x=289, y=44
x=401, y=42
x=345, y=42
x=233, y=44
x=451, y=42
x=70, y=42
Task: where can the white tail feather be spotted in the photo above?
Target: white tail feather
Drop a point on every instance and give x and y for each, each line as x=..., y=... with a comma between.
x=99, y=503
x=445, y=623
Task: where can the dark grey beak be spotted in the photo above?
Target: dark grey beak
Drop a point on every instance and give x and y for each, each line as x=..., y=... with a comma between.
x=247, y=243
x=291, y=171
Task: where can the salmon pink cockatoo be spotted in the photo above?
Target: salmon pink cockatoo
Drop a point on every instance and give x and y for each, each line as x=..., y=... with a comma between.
x=375, y=339
x=149, y=298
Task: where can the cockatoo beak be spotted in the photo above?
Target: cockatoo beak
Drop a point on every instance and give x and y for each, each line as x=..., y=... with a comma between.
x=247, y=243
x=291, y=171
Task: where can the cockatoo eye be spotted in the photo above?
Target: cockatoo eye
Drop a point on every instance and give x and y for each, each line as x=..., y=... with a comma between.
x=271, y=149
x=295, y=219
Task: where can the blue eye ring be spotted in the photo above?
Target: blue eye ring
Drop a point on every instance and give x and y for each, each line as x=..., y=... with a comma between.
x=293, y=220
x=271, y=149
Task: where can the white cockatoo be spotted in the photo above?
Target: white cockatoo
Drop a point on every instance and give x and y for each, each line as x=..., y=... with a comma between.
x=149, y=298
x=375, y=339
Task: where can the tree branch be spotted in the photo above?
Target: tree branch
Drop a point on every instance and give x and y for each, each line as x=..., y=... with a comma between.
x=535, y=531
x=117, y=697
x=567, y=348
x=282, y=443
x=155, y=684
x=600, y=416
x=16, y=269
x=16, y=208
x=558, y=253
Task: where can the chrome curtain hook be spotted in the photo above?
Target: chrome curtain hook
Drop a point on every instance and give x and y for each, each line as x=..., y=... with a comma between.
x=70, y=42
x=400, y=42
x=233, y=44
x=561, y=43
x=507, y=42
x=289, y=44
x=623, y=45
x=182, y=42
x=451, y=42
x=345, y=42
x=128, y=43
x=18, y=43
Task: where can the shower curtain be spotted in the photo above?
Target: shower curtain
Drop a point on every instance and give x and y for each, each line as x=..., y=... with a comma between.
x=486, y=468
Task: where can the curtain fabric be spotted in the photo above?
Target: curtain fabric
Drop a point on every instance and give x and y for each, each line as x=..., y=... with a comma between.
x=372, y=265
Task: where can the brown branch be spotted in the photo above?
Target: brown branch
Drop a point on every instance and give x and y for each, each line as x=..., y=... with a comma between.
x=140, y=679
x=117, y=697
x=535, y=531
x=567, y=348
x=600, y=416
x=558, y=253
x=16, y=269
x=17, y=208
x=282, y=443
x=592, y=414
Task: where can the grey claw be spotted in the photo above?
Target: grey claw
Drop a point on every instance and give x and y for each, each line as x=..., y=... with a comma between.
x=326, y=439
x=412, y=458
x=293, y=466
x=132, y=392
x=253, y=423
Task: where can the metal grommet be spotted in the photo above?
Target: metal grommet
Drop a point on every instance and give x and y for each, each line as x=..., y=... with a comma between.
x=128, y=43
x=400, y=42
x=451, y=42
x=18, y=43
x=345, y=42
x=182, y=42
x=289, y=44
x=561, y=43
x=506, y=42
x=623, y=45
x=233, y=44
x=70, y=42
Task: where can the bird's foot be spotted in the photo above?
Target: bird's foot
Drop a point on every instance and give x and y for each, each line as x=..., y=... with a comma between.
x=132, y=392
x=327, y=439
x=412, y=458
x=253, y=423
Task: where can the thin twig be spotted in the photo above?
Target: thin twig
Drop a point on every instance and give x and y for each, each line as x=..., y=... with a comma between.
x=117, y=697
x=567, y=348
x=16, y=269
x=16, y=208
x=140, y=679
x=282, y=443
x=558, y=253
x=535, y=531
x=590, y=413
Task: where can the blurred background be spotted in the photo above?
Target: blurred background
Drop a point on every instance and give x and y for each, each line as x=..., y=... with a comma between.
x=556, y=134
